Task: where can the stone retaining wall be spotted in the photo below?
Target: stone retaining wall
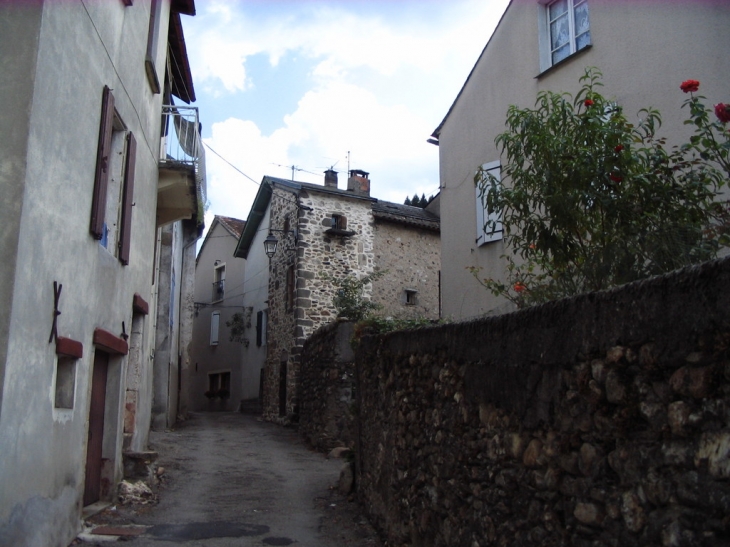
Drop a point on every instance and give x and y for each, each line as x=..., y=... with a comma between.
x=327, y=388
x=602, y=420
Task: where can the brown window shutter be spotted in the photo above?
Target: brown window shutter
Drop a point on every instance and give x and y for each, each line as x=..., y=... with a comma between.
x=125, y=231
x=101, y=177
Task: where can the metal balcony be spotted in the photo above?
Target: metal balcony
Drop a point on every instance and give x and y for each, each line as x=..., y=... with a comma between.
x=219, y=290
x=181, y=191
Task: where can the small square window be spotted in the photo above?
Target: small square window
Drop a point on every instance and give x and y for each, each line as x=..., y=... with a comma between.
x=411, y=297
x=339, y=222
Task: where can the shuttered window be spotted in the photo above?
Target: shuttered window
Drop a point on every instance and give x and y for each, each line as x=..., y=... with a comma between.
x=290, y=288
x=152, y=43
x=111, y=210
x=261, y=318
x=489, y=223
x=259, y=324
x=215, y=320
x=125, y=230
x=103, y=160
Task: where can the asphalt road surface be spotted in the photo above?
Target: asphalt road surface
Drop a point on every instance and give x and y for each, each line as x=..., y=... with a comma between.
x=232, y=480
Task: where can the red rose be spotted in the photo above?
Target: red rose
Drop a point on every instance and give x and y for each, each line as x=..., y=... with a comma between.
x=618, y=148
x=588, y=102
x=615, y=177
x=690, y=86
x=722, y=111
x=519, y=286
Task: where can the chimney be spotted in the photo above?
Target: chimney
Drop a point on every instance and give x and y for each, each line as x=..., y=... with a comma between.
x=359, y=183
x=330, y=178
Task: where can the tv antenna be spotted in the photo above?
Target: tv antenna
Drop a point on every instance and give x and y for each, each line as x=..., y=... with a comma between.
x=293, y=169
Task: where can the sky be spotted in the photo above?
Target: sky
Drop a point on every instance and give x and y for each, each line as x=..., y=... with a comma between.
x=298, y=86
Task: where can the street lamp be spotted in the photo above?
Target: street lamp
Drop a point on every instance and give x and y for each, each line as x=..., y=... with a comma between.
x=270, y=244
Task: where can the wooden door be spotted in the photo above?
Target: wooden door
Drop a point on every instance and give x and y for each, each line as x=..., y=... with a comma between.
x=92, y=485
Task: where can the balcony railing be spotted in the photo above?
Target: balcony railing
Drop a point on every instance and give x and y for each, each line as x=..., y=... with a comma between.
x=182, y=148
x=218, y=290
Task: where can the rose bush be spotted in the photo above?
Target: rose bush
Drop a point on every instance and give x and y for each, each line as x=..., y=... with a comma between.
x=590, y=201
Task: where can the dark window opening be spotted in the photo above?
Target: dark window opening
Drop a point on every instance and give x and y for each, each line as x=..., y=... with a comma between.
x=411, y=297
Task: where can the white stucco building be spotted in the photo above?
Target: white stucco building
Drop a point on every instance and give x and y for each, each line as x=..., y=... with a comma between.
x=220, y=378
x=87, y=185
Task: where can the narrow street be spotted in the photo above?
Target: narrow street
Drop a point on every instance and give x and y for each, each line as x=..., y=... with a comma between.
x=232, y=480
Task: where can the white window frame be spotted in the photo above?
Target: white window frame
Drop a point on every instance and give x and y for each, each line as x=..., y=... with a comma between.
x=482, y=236
x=545, y=44
x=215, y=321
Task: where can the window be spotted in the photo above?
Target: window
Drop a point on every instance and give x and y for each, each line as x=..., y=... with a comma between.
x=152, y=43
x=112, y=201
x=290, y=288
x=219, y=384
x=261, y=318
x=219, y=283
x=65, y=382
x=489, y=225
x=411, y=297
x=215, y=320
x=339, y=222
x=564, y=30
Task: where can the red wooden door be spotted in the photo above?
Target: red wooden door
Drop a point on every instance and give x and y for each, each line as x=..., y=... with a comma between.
x=92, y=485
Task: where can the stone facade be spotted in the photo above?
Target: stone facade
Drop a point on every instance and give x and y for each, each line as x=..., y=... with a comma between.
x=411, y=258
x=318, y=261
x=600, y=420
x=325, y=235
x=327, y=392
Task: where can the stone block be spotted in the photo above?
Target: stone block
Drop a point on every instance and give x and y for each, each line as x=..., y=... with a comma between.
x=714, y=453
x=591, y=514
x=695, y=382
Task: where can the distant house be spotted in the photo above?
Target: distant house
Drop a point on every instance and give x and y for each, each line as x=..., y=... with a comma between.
x=324, y=235
x=220, y=378
x=644, y=54
x=87, y=92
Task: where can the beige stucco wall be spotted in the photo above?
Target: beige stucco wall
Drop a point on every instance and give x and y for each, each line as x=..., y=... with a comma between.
x=645, y=49
x=411, y=258
x=227, y=356
x=53, y=135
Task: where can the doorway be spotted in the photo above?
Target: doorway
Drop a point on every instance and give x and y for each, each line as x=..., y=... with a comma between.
x=94, y=445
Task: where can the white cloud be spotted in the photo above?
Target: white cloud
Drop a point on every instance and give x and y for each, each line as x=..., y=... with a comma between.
x=382, y=84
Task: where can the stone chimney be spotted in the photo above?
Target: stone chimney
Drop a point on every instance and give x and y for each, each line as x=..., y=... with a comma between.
x=359, y=183
x=330, y=178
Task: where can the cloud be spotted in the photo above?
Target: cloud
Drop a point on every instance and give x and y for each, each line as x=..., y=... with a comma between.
x=383, y=78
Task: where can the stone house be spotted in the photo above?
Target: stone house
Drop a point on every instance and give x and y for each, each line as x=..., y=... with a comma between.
x=642, y=48
x=325, y=234
x=87, y=92
x=218, y=362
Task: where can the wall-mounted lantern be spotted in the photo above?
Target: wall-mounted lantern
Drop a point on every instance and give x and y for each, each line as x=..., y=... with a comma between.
x=270, y=244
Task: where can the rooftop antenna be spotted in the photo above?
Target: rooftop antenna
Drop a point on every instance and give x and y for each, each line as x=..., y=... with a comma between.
x=348, y=163
x=293, y=168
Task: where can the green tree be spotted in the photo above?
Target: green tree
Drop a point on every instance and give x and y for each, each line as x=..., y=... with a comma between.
x=407, y=201
x=237, y=325
x=589, y=201
x=350, y=301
